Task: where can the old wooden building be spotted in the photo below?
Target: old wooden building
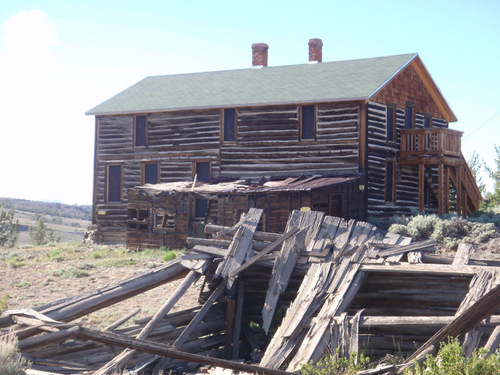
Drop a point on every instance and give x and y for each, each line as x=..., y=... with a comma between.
x=375, y=128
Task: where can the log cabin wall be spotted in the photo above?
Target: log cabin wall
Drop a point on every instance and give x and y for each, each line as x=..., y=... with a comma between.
x=381, y=150
x=268, y=142
x=174, y=140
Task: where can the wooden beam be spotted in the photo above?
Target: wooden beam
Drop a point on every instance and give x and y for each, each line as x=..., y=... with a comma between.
x=421, y=187
x=464, y=322
x=167, y=351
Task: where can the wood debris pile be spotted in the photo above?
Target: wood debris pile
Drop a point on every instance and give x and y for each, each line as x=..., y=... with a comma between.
x=271, y=302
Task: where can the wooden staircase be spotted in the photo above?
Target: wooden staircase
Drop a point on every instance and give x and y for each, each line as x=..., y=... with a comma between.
x=437, y=154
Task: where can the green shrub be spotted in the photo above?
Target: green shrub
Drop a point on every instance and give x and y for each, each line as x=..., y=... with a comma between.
x=334, y=364
x=11, y=360
x=170, y=255
x=451, y=361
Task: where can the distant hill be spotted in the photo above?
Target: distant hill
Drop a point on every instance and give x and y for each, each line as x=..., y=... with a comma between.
x=80, y=212
x=69, y=222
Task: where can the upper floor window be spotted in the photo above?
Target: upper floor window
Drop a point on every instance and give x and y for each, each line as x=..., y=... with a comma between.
x=150, y=173
x=140, y=131
x=229, y=130
x=427, y=121
x=202, y=169
x=114, y=185
x=308, y=122
x=391, y=122
x=410, y=116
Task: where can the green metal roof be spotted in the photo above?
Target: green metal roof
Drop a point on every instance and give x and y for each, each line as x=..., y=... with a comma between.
x=305, y=83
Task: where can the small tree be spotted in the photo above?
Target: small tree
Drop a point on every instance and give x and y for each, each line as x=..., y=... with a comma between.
x=494, y=197
x=41, y=235
x=475, y=166
x=9, y=230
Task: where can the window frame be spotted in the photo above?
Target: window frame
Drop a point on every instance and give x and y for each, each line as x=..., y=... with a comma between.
x=146, y=131
x=195, y=169
x=108, y=184
x=224, y=124
x=314, y=125
x=143, y=171
x=427, y=121
x=394, y=110
x=410, y=105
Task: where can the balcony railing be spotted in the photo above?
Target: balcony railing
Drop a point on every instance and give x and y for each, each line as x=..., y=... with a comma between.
x=431, y=142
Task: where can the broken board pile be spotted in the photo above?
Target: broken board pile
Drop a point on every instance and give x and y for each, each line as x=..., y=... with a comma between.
x=277, y=301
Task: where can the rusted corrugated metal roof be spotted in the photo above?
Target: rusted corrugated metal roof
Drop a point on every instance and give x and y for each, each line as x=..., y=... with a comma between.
x=301, y=183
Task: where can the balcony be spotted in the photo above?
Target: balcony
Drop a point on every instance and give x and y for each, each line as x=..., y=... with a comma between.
x=430, y=144
x=438, y=154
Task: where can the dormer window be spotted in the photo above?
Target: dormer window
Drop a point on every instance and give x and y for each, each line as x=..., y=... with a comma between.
x=140, y=131
x=308, y=122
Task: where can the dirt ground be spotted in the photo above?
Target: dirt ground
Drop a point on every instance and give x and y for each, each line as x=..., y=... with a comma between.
x=35, y=279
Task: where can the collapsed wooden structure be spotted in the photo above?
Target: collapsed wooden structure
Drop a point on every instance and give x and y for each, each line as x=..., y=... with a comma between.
x=278, y=301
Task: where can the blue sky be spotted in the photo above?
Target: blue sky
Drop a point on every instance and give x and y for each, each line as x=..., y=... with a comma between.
x=58, y=59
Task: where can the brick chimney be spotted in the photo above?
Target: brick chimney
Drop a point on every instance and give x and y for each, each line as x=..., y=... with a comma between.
x=315, y=50
x=259, y=54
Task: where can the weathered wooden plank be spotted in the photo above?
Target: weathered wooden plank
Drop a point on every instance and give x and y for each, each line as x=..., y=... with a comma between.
x=123, y=357
x=167, y=351
x=463, y=254
x=283, y=267
x=468, y=318
x=192, y=325
x=240, y=249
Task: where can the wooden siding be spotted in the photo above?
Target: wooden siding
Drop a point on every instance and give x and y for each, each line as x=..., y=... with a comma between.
x=408, y=86
x=175, y=141
x=379, y=151
x=268, y=143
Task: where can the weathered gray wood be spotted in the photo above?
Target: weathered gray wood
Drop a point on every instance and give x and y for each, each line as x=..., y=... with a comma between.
x=468, y=319
x=191, y=326
x=122, y=320
x=422, y=268
x=238, y=319
x=422, y=245
x=463, y=254
x=96, y=300
x=283, y=267
x=124, y=356
x=494, y=340
x=48, y=339
x=167, y=351
x=263, y=253
x=241, y=246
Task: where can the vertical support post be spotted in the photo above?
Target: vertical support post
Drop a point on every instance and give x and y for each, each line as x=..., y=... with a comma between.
x=440, y=189
x=460, y=210
x=421, y=187
x=446, y=189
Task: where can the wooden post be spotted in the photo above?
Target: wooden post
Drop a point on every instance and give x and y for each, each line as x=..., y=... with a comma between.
x=421, y=187
x=440, y=189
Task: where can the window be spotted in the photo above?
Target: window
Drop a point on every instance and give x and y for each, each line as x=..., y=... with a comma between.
x=201, y=208
x=163, y=220
x=308, y=122
x=140, y=131
x=114, y=183
x=150, y=173
x=390, y=191
x=428, y=121
x=391, y=122
x=229, y=125
x=409, y=116
x=202, y=169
